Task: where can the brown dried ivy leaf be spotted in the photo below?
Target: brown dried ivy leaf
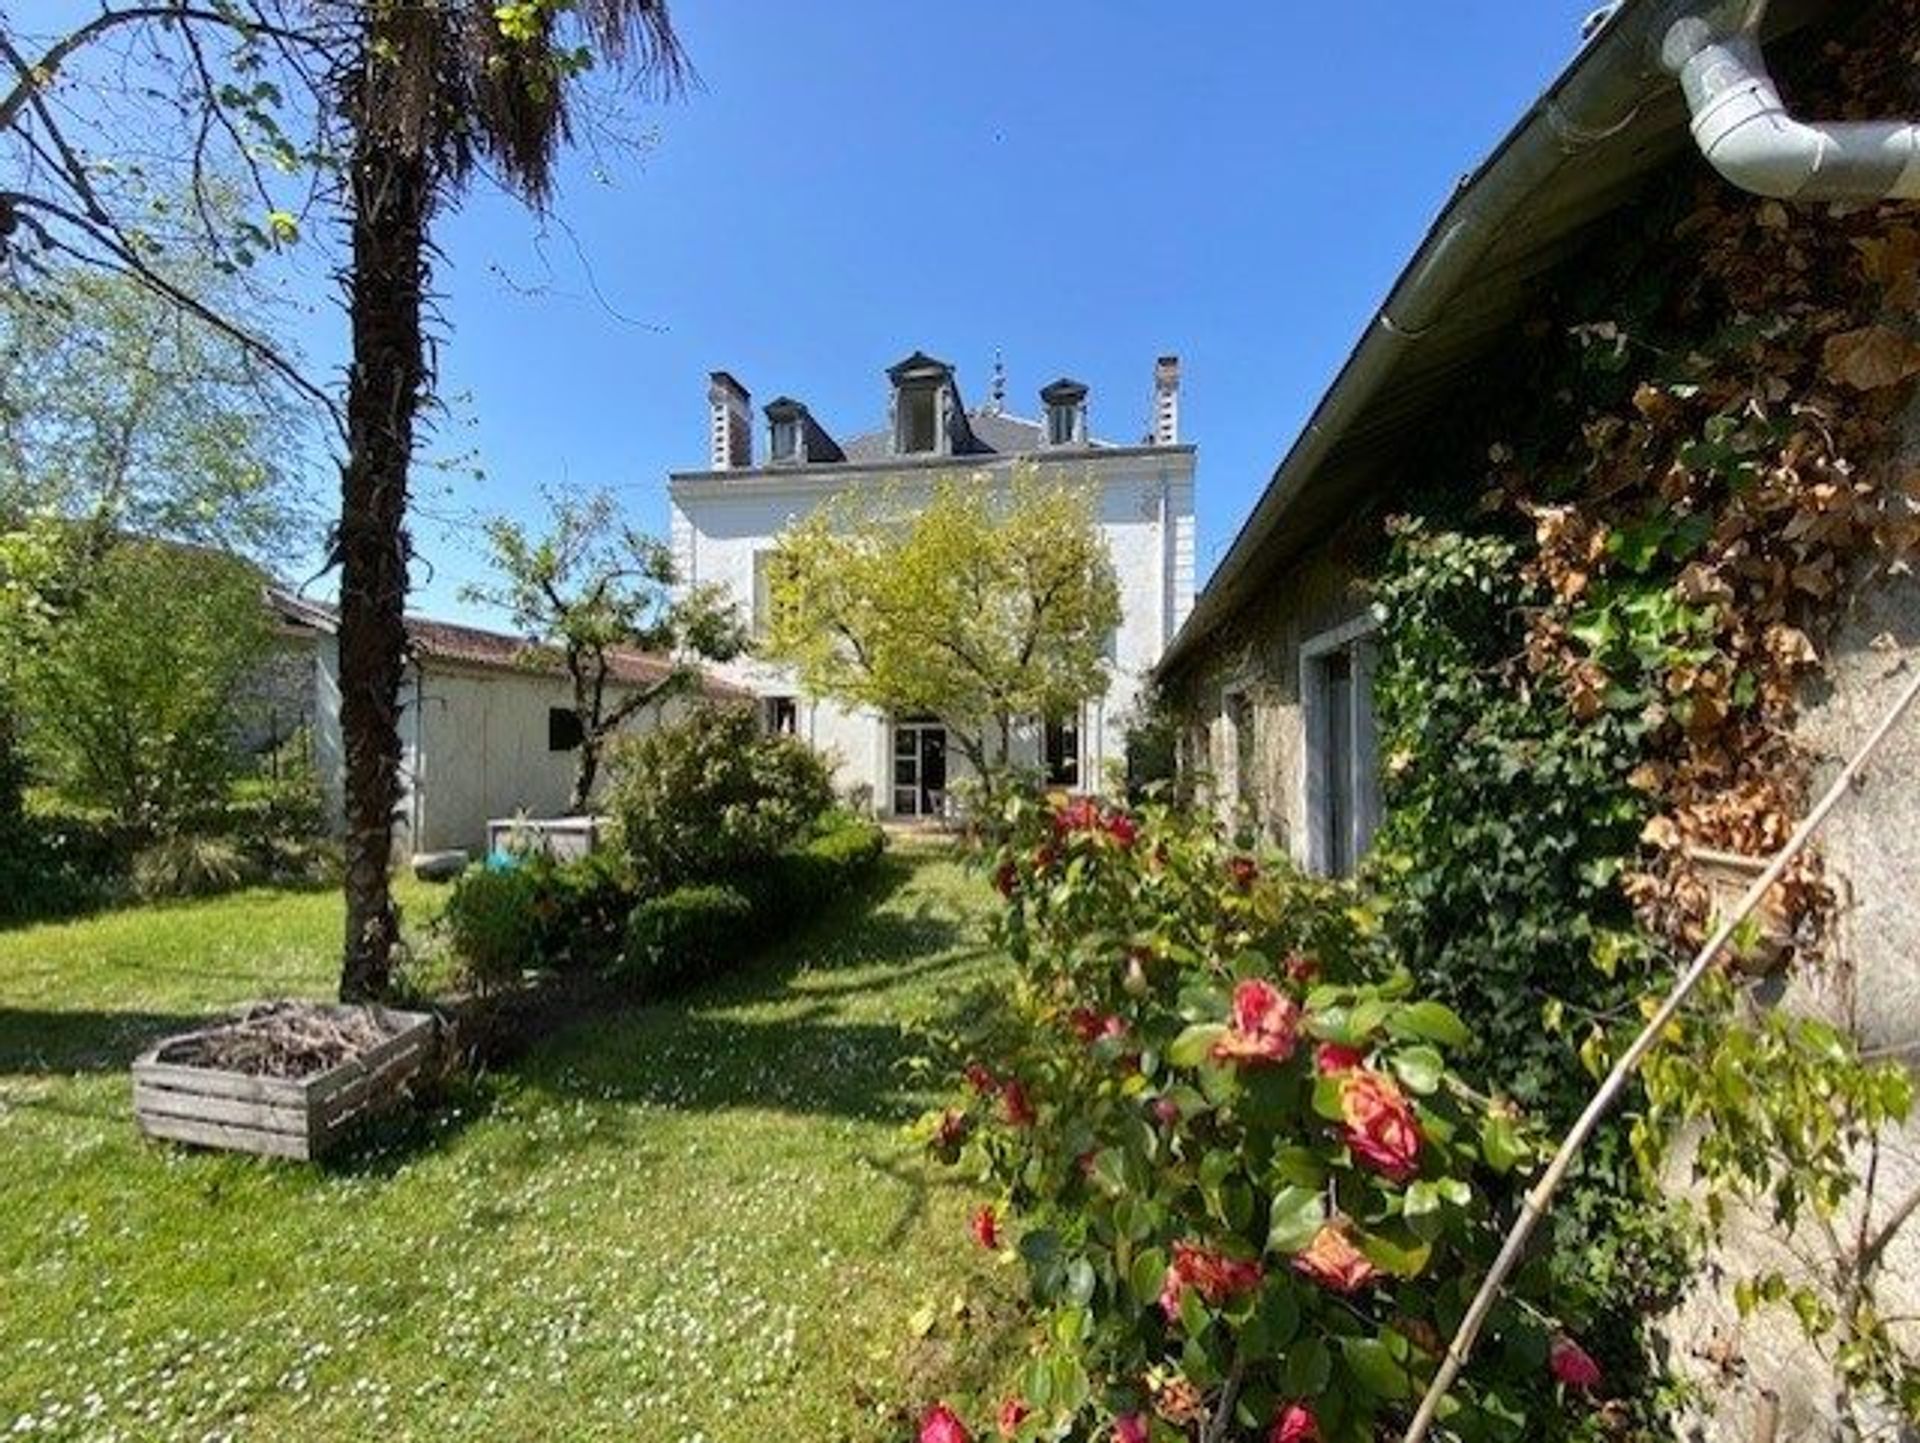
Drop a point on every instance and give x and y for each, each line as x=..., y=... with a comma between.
x=1892, y=260
x=1871, y=357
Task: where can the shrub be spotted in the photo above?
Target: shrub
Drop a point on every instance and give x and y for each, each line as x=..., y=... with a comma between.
x=190, y=866
x=704, y=798
x=493, y=922
x=57, y=865
x=582, y=907
x=688, y=929
x=1221, y=1132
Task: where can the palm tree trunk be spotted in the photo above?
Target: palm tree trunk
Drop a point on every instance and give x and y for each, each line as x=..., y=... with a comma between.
x=391, y=199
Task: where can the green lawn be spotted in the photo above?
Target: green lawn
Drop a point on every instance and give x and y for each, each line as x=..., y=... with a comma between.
x=691, y=1221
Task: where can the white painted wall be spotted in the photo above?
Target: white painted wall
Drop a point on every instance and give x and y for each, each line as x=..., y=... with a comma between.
x=720, y=520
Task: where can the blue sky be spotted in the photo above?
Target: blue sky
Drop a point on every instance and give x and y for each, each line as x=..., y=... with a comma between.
x=1081, y=185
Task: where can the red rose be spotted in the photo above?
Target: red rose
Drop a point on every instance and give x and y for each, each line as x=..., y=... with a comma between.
x=1241, y=871
x=1166, y=1110
x=1295, y=1423
x=1122, y=828
x=981, y=1080
x=1080, y=814
x=1005, y=878
x=1265, y=1026
x=1572, y=1365
x=1302, y=970
x=951, y=1134
x=986, y=1229
x=1332, y=1261
x=941, y=1425
x=1381, y=1132
x=1013, y=1413
x=1015, y=1105
x=1330, y=1058
x=1130, y=1429
x=1084, y=1023
x=1214, y=1275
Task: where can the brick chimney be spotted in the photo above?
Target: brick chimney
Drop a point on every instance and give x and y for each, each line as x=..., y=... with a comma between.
x=729, y=424
x=1166, y=401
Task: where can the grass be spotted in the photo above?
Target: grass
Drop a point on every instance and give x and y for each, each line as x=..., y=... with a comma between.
x=696, y=1220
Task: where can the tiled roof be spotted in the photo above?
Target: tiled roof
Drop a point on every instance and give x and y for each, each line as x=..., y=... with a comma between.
x=475, y=646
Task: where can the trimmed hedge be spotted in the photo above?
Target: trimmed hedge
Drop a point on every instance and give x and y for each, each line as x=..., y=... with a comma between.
x=704, y=927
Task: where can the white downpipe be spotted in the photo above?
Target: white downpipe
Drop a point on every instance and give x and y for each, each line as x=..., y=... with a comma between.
x=1746, y=132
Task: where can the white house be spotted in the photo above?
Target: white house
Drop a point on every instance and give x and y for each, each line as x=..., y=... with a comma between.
x=487, y=724
x=727, y=520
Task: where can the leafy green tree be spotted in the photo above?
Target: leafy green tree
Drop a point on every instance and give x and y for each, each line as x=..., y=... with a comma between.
x=133, y=699
x=121, y=413
x=30, y=559
x=984, y=606
x=589, y=588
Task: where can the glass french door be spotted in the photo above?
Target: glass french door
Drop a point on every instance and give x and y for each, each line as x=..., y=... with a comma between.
x=919, y=769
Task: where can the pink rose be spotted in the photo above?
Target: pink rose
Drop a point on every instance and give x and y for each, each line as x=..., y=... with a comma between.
x=1265, y=1026
x=1080, y=814
x=1330, y=1058
x=1572, y=1365
x=1122, y=828
x=1166, y=1111
x=1084, y=1023
x=981, y=1080
x=1013, y=1413
x=1332, y=1261
x=1294, y=1423
x=1241, y=871
x=1381, y=1131
x=941, y=1425
x=1130, y=1429
x=1212, y=1274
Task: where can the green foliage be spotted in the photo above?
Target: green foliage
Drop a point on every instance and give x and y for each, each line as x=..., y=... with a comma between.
x=58, y=865
x=695, y=929
x=492, y=920
x=124, y=414
x=705, y=798
x=685, y=932
x=978, y=604
x=590, y=587
x=1508, y=828
x=132, y=702
x=1244, y=1173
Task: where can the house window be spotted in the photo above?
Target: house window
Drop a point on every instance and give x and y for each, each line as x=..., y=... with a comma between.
x=786, y=439
x=564, y=732
x=1063, y=753
x=918, y=420
x=1342, y=747
x=782, y=715
x=1061, y=424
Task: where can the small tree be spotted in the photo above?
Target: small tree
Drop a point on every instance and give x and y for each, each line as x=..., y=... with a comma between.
x=984, y=606
x=590, y=588
x=132, y=700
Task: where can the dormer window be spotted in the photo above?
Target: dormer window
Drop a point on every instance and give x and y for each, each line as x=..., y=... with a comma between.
x=928, y=419
x=794, y=438
x=919, y=421
x=785, y=444
x=1066, y=407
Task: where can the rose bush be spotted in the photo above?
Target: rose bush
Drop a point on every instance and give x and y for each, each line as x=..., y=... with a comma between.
x=1222, y=1136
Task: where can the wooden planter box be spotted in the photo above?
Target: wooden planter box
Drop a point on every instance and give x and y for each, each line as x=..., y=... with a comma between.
x=277, y=1116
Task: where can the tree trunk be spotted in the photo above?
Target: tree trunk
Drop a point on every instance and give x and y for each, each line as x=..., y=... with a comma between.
x=586, y=769
x=391, y=197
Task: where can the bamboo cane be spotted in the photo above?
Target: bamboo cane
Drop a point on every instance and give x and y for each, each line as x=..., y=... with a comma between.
x=1534, y=1206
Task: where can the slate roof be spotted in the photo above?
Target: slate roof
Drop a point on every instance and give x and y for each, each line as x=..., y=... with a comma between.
x=999, y=433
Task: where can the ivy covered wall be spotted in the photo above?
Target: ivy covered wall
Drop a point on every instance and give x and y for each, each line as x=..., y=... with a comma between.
x=1647, y=584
